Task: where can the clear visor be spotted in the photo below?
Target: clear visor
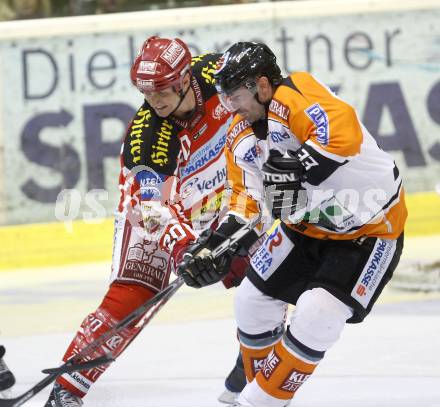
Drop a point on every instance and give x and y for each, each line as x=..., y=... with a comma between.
x=238, y=98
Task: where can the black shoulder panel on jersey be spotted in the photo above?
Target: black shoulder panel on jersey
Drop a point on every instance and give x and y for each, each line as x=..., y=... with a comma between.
x=152, y=141
x=203, y=67
x=318, y=167
x=289, y=83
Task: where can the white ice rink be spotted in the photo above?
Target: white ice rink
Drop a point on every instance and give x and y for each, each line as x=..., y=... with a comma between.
x=181, y=359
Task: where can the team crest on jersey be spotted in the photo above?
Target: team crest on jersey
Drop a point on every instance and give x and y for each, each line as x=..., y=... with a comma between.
x=319, y=117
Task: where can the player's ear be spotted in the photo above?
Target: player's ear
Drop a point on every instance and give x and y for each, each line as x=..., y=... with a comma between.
x=264, y=88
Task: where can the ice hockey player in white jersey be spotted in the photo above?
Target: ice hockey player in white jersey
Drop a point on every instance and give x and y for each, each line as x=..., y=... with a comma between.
x=342, y=209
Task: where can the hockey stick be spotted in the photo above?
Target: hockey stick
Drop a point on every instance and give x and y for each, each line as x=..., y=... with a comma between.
x=72, y=365
x=53, y=374
x=143, y=314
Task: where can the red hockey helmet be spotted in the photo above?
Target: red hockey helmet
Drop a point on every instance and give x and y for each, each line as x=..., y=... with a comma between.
x=160, y=63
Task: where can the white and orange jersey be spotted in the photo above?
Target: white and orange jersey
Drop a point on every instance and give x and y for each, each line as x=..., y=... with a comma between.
x=353, y=187
x=243, y=162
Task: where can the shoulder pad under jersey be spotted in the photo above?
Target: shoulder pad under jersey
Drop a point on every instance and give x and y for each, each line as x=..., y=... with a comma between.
x=152, y=141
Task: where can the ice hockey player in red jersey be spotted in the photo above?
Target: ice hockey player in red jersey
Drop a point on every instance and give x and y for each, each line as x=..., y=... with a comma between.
x=341, y=204
x=171, y=187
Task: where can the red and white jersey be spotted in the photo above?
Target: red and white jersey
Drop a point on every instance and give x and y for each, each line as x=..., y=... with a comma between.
x=173, y=171
x=353, y=187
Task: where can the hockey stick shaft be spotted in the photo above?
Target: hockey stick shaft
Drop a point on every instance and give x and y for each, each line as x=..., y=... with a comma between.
x=72, y=365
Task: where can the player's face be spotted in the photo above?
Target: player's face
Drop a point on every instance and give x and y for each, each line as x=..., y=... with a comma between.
x=244, y=102
x=164, y=101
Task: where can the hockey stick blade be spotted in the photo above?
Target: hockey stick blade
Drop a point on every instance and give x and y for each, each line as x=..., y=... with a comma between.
x=52, y=375
x=162, y=296
x=77, y=367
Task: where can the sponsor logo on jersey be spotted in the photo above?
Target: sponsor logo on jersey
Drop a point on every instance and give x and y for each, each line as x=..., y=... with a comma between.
x=173, y=54
x=219, y=112
x=263, y=258
x=147, y=264
x=150, y=184
x=294, y=381
x=373, y=271
x=278, y=136
x=270, y=364
x=251, y=154
x=147, y=67
x=236, y=130
x=137, y=126
x=279, y=109
x=319, y=117
x=201, y=131
x=204, y=155
x=204, y=185
x=160, y=148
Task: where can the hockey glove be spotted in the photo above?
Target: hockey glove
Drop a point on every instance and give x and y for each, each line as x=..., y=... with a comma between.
x=199, y=268
x=282, y=176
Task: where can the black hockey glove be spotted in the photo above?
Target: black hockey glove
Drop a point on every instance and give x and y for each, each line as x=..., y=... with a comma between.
x=282, y=176
x=198, y=267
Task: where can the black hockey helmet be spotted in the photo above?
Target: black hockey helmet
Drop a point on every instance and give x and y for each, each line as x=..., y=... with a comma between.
x=242, y=63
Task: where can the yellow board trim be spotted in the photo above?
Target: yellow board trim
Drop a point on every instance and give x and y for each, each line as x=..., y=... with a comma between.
x=40, y=245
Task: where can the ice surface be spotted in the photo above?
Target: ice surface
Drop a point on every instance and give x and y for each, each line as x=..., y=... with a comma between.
x=181, y=359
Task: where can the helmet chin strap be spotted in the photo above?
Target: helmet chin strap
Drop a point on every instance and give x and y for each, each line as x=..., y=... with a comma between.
x=182, y=95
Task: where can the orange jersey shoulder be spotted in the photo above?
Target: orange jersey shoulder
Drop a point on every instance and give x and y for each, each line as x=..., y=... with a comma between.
x=314, y=113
